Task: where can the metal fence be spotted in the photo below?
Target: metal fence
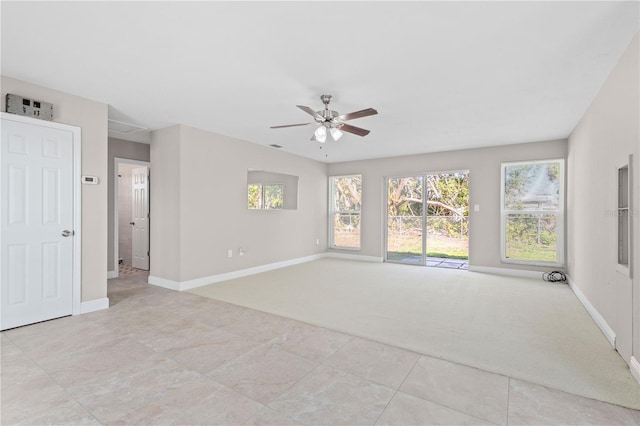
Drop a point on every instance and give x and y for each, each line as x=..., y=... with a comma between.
x=437, y=226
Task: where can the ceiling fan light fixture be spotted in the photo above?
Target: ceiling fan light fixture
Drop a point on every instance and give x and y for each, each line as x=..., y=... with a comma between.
x=332, y=120
x=335, y=133
x=320, y=134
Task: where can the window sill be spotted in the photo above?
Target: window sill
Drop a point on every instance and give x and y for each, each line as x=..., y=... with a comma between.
x=624, y=270
x=344, y=248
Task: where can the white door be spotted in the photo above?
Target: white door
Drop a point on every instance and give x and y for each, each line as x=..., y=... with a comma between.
x=37, y=223
x=140, y=188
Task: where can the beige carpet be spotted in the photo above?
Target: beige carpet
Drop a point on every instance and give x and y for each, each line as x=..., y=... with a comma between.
x=523, y=328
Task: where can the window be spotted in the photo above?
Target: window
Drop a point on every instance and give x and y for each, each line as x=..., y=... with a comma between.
x=266, y=196
x=624, y=246
x=532, y=212
x=344, y=216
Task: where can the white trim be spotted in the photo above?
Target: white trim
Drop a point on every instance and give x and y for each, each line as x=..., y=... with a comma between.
x=116, y=163
x=199, y=282
x=94, y=305
x=162, y=282
x=350, y=256
x=112, y=274
x=77, y=198
x=634, y=366
x=506, y=271
x=595, y=315
x=77, y=221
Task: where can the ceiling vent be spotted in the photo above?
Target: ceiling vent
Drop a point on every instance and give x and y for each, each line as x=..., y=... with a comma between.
x=124, y=128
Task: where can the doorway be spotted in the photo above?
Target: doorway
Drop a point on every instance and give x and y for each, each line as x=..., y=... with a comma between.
x=131, y=217
x=428, y=220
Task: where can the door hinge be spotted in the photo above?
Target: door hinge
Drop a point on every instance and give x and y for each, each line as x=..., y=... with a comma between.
x=148, y=253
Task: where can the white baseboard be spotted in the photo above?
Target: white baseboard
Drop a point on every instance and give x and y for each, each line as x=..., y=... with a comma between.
x=199, y=282
x=94, y=305
x=350, y=256
x=506, y=271
x=112, y=274
x=162, y=282
x=634, y=365
x=595, y=315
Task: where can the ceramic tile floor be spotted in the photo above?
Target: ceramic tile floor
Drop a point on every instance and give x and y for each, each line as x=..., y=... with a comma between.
x=161, y=357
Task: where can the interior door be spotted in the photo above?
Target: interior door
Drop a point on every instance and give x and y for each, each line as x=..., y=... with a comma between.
x=140, y=188
x=36, y=247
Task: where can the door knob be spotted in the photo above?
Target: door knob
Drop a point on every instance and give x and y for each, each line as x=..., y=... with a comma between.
x=67, y=233
x=132, y=223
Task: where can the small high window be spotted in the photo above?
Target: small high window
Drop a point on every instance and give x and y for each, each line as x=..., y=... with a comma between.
x=266, y=196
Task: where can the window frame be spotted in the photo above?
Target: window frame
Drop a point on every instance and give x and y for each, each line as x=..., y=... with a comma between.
x=333, y=212
x=624, y=223
x=559, y=215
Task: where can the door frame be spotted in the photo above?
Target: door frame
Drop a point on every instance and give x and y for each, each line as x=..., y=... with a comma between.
x=77, y=199
x=116, y=239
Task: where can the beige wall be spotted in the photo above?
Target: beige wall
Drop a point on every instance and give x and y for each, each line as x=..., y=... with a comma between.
x=164, y=204
x=484, y=189
x=121, y=149
x=92, y=118
x=206, y=175
x=602, y=141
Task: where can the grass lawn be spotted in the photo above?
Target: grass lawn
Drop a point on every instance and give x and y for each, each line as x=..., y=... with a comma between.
x=546, y=253
x=406, y=245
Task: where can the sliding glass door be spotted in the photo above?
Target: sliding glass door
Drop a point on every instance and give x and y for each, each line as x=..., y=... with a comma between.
x=427, y=220
x=405, y=220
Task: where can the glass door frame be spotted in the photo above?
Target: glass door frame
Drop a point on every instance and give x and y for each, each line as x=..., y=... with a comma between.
x=425, y=197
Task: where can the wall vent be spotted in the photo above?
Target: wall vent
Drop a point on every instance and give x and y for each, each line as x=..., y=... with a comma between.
x=124, y=128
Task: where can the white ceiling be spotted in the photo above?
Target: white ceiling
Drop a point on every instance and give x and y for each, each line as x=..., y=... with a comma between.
x=442, y=75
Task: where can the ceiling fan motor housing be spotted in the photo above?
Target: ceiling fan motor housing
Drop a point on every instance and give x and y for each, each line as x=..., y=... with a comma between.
x=330, y=118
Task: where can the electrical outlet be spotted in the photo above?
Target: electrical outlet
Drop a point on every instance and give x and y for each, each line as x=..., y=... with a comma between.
x=230, y=253
x=241, y=251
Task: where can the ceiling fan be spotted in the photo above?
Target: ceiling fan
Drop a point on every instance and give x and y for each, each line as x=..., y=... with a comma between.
x=332, y=122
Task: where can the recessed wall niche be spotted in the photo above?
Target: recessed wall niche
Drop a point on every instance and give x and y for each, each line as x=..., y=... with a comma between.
x=268, y=190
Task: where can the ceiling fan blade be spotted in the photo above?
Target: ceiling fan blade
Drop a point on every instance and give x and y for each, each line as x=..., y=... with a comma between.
x=358, y=114
x=355, y=130
x=289, y=125
x=311, y=112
